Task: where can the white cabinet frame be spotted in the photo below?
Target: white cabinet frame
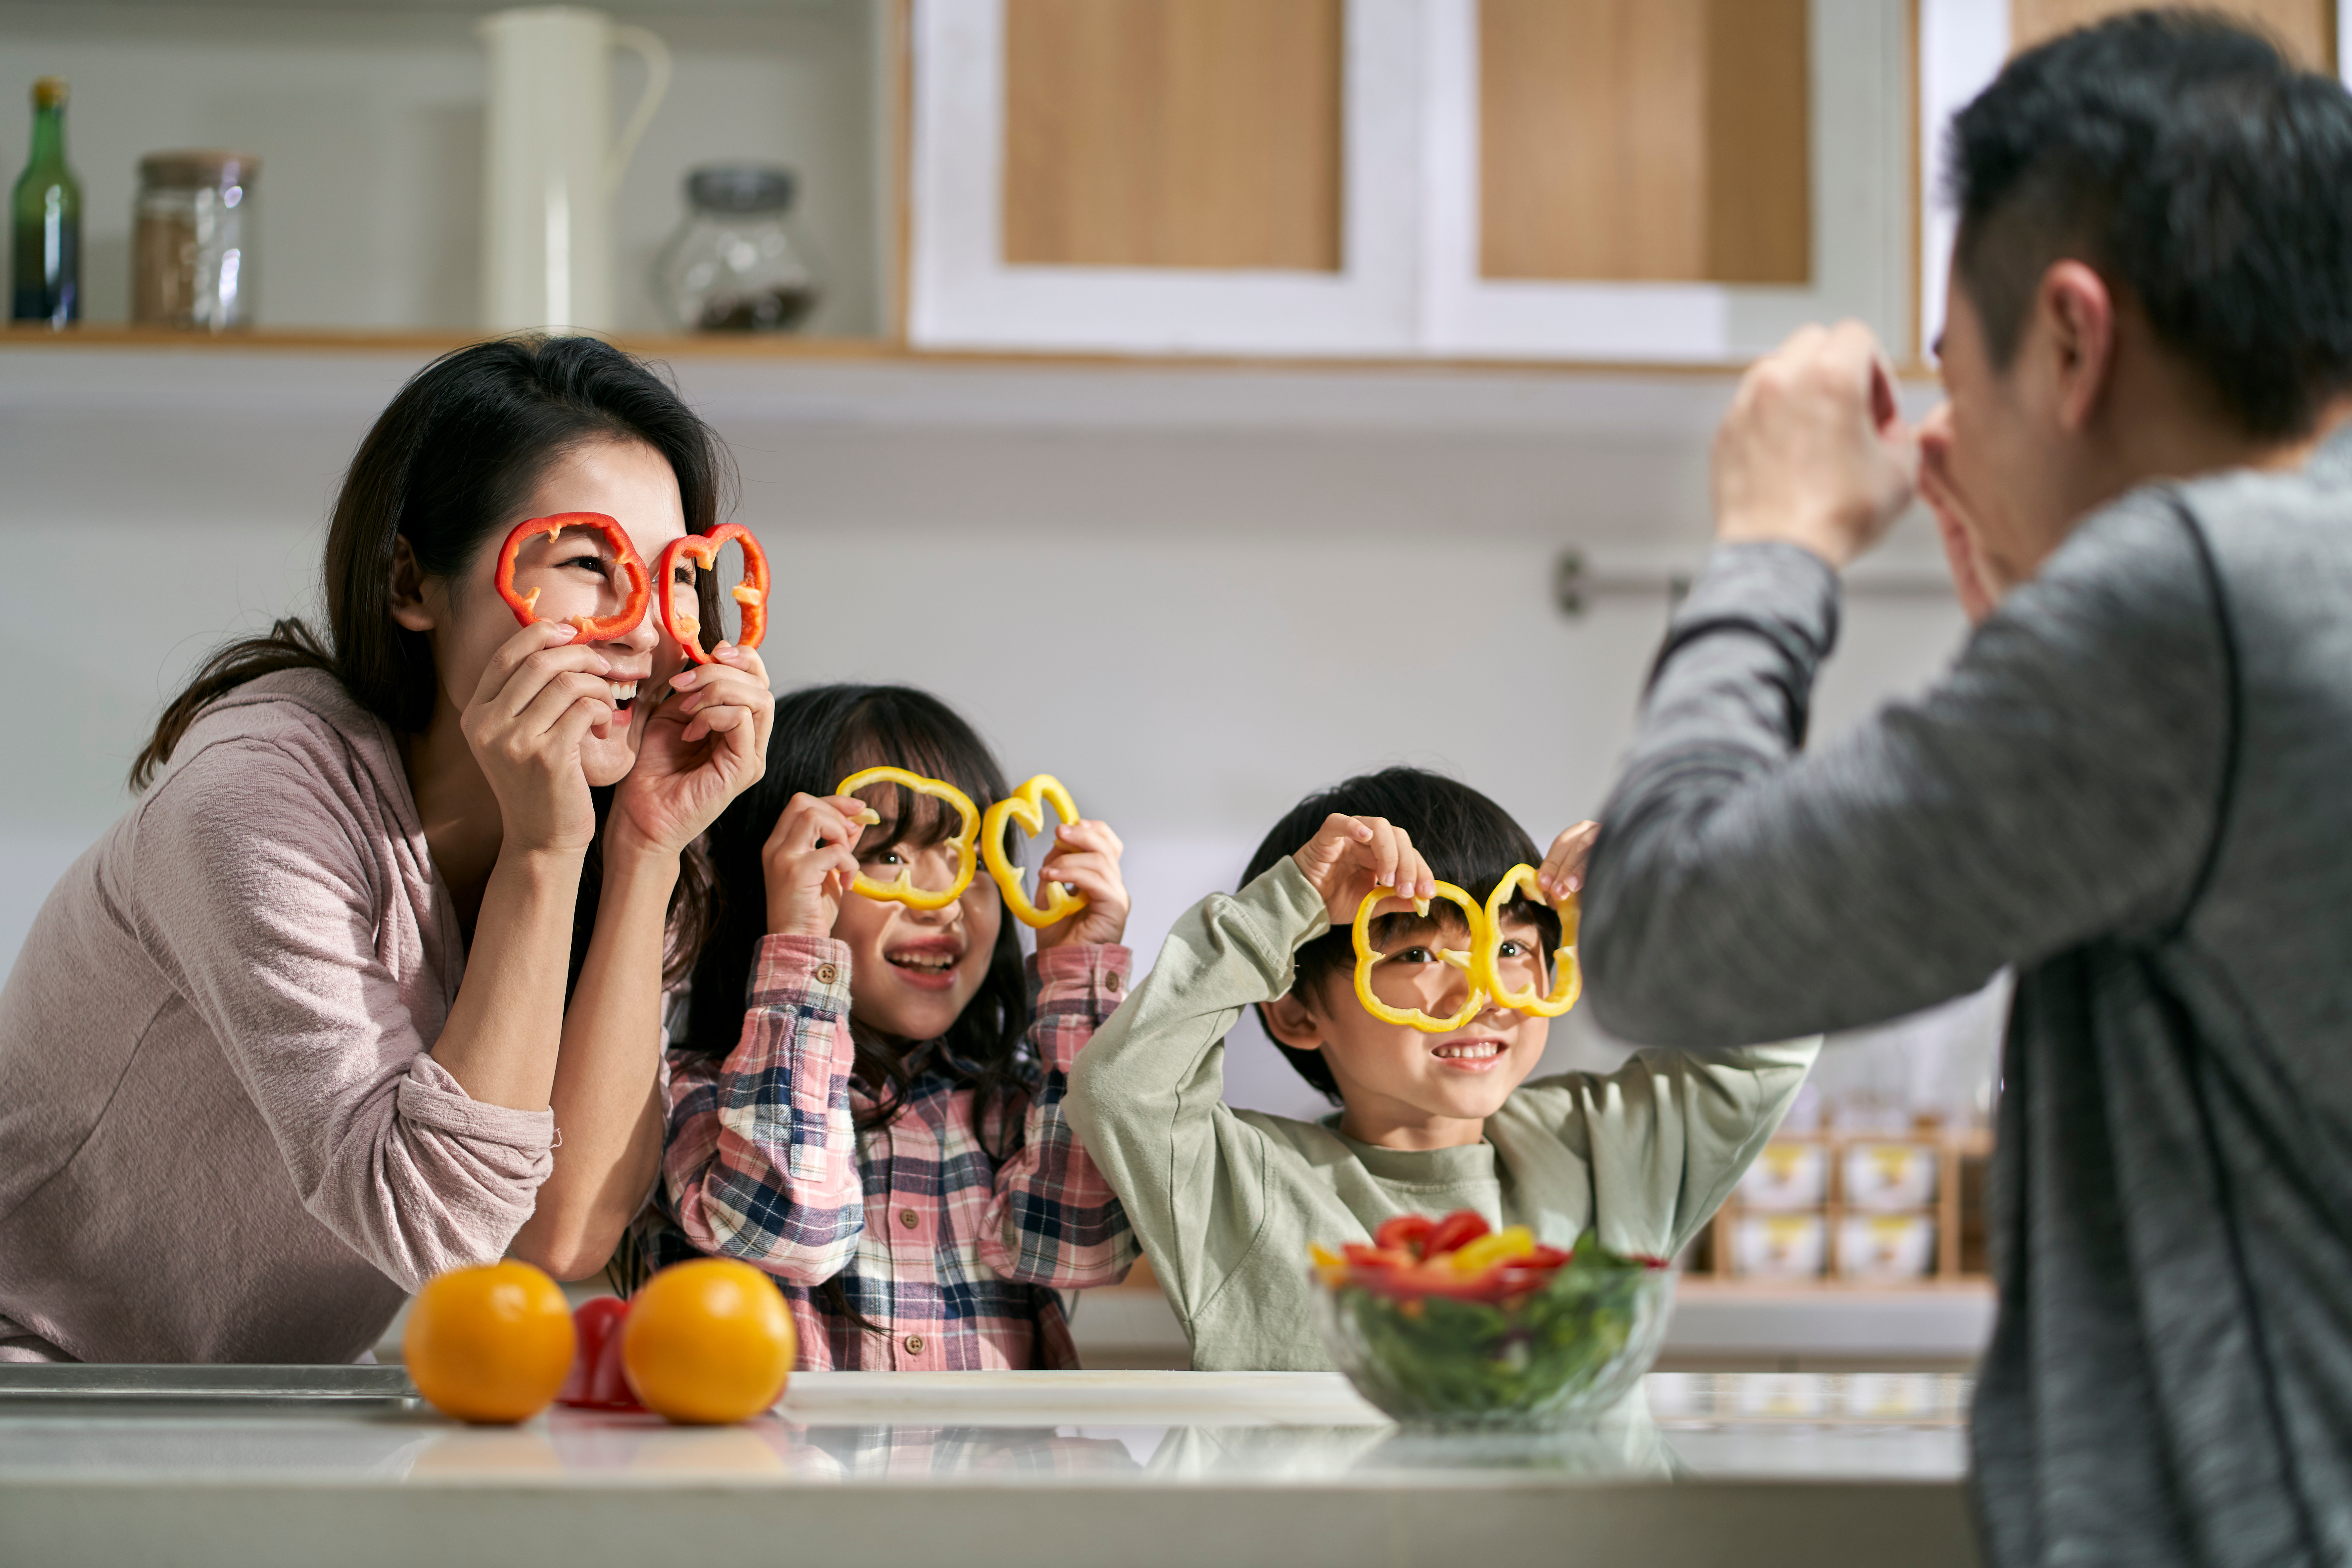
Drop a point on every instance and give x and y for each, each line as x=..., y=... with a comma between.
x=963, y=295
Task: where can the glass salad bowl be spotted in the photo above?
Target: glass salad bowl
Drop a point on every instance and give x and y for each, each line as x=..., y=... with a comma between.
x=1440, y=1324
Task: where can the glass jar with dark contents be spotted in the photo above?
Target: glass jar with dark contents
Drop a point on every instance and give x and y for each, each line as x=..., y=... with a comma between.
x=736, y=264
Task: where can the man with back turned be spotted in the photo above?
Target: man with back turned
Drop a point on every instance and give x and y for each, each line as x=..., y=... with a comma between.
x=2135, y=784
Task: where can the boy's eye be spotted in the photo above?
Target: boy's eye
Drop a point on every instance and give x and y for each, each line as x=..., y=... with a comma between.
x=1414, y=955
x=886, y=858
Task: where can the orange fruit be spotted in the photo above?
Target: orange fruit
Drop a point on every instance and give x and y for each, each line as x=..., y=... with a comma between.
x=707, y=1342
x=490, y=1344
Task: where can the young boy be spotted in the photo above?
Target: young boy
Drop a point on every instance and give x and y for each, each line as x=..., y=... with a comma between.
x=1225, y=1202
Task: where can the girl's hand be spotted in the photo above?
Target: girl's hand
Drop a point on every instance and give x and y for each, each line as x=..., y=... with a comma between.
x=1085, y=856
x=808, y=862
x=537, y=701
x=706, y=744
x=1351, y=856
x=1562, y=872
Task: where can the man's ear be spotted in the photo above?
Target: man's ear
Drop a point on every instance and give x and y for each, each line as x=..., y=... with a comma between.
x=2076, y=315
x=407, y=587
x=1292, y=1021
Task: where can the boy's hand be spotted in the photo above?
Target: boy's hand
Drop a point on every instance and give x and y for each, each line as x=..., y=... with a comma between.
x=1562, y=872
x=808, y=862
x=1351, y=856
x=1085, y=856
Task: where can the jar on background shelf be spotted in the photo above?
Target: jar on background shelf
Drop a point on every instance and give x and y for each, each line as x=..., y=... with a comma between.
x=192, y=234
x=736, y=264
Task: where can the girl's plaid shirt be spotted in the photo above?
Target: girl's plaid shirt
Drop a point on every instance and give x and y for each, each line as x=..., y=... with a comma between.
x=955, y=1257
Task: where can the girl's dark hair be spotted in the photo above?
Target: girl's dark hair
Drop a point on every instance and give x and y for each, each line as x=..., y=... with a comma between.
x=447, y=467
x=1466, y=838
x=822, y=735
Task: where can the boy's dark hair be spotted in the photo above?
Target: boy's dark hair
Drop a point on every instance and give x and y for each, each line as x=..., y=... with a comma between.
x=2181, y=156
x=1467, y=839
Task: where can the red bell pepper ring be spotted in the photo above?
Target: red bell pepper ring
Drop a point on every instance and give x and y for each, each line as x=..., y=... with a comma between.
x=591, y=628
x=1405, y=1232
x=596, y=1381
x=1456, y=1229
x=751, y=593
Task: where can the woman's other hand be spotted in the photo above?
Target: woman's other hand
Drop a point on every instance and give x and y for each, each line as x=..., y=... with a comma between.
x=808, y=862
x=1084, y=857
x=538, y=697
x=706, y=744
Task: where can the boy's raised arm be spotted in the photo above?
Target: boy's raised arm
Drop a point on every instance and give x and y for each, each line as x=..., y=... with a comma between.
x=1664, y=1137
x=1147, y=1094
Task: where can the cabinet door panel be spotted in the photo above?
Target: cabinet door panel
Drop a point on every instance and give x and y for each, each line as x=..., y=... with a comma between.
x=1203, y=177
x=1645, y=140
x=1173, y=133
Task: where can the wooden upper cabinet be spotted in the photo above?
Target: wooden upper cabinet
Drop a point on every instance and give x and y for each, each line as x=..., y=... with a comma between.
x=1182, y=133
x=1646, y=141
x=2307, y=28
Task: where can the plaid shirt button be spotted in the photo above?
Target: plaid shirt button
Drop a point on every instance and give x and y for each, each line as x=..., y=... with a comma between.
x=1111, y=982
x=914, y=1344
x=909, y=1218
x=826, y=973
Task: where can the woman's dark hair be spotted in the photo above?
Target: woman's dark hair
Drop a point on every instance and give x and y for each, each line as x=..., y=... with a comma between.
x=822, y=735
x=2183, y=157
x=447, y=467
x=1466, y=838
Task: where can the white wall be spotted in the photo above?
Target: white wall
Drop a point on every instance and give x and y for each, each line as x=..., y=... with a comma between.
x=1195, y=595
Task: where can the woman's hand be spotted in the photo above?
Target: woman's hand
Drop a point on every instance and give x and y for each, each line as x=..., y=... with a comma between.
x=1084, y=857
x=808, y=862
x=706, y=744
x=1351, y=856
x=537, y=701
x=1562, y=872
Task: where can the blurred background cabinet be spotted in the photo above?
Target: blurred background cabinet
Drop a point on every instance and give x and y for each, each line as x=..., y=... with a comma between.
x=1671, y=180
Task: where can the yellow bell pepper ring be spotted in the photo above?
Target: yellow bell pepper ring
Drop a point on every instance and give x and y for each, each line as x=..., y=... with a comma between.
x=903, y=890
x=1026, y=805
x=1568, y=980
x=1366, y=956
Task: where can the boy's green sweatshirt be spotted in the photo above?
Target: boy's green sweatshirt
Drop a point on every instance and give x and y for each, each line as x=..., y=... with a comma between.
x=1226, y=1201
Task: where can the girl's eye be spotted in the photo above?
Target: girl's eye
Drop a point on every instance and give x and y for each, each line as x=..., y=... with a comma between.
x=1414, y=955
x=1512, y=949
x=886, y=858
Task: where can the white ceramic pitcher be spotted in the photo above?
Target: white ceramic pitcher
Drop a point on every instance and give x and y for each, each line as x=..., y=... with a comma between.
x=555, y=163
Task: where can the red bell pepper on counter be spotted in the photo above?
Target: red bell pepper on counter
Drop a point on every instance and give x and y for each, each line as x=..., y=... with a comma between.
x=596, y=1381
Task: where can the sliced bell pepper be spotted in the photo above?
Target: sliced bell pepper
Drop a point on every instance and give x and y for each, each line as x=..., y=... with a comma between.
x=751, y=593
x=1482, y=1254
x=903, y=890
x=591, y=628
x=1568, y=981
x=1026, y=807
x=1366, y=956
x=1456, y=1229
x=1405, y=1232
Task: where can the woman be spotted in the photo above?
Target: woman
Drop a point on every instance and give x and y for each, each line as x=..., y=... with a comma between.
x=246, y=1101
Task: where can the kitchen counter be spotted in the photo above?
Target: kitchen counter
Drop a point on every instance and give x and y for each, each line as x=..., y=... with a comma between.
x=1138, y=1467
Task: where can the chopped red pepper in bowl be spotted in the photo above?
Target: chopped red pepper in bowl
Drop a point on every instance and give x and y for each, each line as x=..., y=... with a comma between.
x=1449, y=1322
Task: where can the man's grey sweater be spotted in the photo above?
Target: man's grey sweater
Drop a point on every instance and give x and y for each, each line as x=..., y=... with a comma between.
x=2135, y=786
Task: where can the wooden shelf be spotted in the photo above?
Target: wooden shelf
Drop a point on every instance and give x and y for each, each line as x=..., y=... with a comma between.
x=1962, y=1153
x=99, y=337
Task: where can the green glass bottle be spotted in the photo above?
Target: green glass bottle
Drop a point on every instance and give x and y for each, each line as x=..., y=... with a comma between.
x=47, y=218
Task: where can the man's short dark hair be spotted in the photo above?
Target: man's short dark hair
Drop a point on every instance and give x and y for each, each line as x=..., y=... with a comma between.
x=1466, y=838
x=2181, y=156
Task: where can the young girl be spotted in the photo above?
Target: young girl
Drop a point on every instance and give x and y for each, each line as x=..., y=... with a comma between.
x=852, y=1108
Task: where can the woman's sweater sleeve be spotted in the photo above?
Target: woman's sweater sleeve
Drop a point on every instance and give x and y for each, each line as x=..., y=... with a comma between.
x=254, y=895
x=1055, y=1220
x=1146, y=1097
x=761, y=1160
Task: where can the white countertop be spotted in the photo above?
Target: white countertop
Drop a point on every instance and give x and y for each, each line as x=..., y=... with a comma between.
x=1024, y=1467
